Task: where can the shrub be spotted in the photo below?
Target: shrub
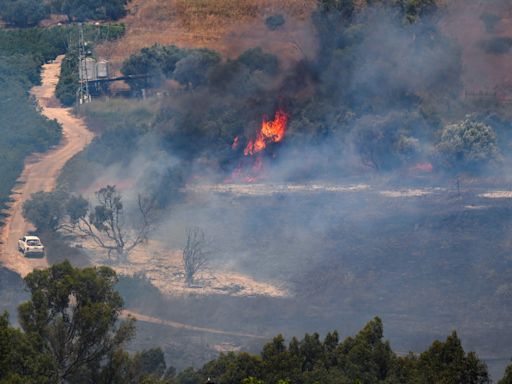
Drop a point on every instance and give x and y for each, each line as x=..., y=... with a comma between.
x=274, y=22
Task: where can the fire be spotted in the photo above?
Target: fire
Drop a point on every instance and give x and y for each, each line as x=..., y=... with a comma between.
x=271, y=132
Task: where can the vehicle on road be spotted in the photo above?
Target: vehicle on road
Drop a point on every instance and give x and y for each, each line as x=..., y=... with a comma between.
x=31, y=246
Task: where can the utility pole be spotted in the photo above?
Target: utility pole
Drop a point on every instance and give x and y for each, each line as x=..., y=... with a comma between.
x=84, y=95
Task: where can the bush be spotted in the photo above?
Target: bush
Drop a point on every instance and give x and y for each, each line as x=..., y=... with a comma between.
x=190, y=67
x=81, y=10
x=256, y=59
x=468, y=144
x=274, y=22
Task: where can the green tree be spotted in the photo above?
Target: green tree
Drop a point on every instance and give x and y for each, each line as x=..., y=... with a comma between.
x=74, y=313
x=23, y=13
x=507, y=377
x=446, y=362
x=81, y=10
x=157, y=61
x=190, y=376
x=468, y=144
x=278, y=362
x=366, y=357
x=194, y=69
x=233, y=368
x=257, y=60
x=146, y=367
x=21, y=358
x=44, y=210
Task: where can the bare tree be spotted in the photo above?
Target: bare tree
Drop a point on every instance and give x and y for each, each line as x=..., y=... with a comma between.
x=106, y=225
x=195, y=253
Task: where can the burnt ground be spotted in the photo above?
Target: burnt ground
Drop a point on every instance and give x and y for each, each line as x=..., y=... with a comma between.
x=425, y=263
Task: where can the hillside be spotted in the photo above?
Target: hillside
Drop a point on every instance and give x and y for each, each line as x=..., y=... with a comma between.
x=229, y=26
x=336, y=163
x=484, y=31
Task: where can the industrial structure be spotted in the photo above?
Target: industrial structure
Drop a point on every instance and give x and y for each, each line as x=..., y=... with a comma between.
x=94, y=75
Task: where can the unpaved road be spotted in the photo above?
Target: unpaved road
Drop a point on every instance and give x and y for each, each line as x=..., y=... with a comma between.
x=177, y=325
x=41, y=170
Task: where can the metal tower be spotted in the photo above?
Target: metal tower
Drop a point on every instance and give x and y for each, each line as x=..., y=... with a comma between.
x=84, y=95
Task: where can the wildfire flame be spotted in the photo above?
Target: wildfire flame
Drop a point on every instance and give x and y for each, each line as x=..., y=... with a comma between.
x=271, y=132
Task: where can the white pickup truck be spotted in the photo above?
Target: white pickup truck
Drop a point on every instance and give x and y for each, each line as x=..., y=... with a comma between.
x=31, y=246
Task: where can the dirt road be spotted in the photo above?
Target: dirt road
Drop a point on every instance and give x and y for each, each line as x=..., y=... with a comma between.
x=41, y=170
x=177, y=325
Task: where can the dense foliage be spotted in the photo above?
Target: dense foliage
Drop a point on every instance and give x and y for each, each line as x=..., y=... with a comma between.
x=365, y=358
x=190, y=67
x=71, y=332
x=81, y=10
x=23, y=13
x=468, y=144
x=27, y=13
x=23, y=129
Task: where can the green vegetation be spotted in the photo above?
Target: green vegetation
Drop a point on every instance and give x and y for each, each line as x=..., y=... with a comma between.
x=45, y=210
x=468, y=144
x=23, y=13
x=365, y=358
x=81, y=10
x=190, y=67
x=104, y=223
x=23, y=129
x=72, y=332
x=28, y=13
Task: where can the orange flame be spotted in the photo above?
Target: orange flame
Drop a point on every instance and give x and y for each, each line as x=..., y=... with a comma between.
x=270, y=132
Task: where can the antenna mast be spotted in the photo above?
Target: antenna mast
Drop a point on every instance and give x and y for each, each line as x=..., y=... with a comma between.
x=83, y=91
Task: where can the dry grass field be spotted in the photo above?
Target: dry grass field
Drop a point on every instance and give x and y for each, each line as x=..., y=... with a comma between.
x=229, y=26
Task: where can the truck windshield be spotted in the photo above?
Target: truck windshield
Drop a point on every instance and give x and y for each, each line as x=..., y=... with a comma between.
x=33, y=243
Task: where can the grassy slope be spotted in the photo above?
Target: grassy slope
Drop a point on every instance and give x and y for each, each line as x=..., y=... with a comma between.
x=229, y=26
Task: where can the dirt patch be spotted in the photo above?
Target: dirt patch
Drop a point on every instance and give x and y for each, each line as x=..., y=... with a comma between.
x=406, y=193
x=497, y=195
x=274, y=189
x=164, y=268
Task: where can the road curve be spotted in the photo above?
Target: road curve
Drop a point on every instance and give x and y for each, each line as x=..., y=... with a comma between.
x=41, y=170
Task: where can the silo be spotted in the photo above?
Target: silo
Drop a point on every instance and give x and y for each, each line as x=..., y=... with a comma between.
x=90, y=69
x=102, y=69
